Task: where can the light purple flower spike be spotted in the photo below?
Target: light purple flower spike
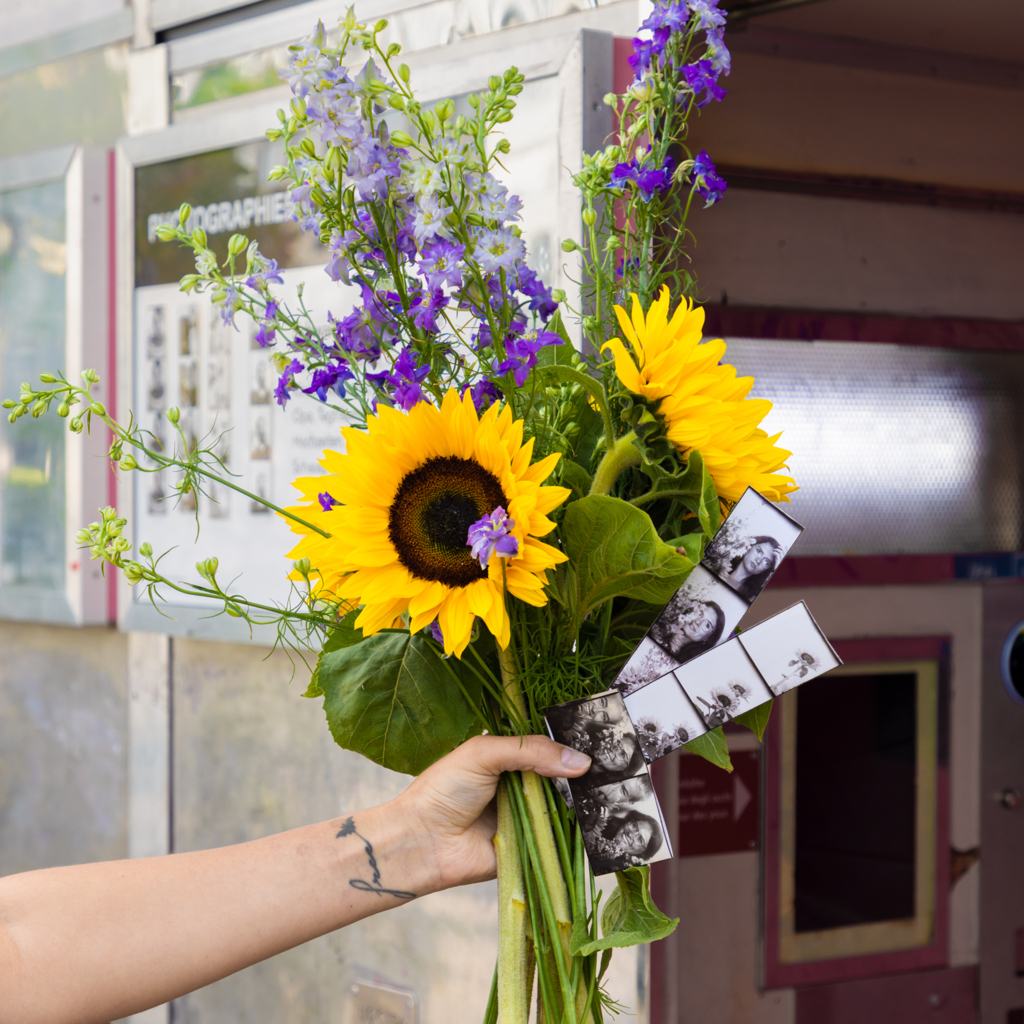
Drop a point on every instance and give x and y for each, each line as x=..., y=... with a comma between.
x=492, y=535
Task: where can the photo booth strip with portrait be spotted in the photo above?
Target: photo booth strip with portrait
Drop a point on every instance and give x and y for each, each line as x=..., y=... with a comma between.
x=620, y=819
x=744, y=554
x=702, y=614
x=751, y=543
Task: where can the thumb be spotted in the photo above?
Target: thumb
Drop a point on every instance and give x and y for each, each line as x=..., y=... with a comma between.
x=492, y=755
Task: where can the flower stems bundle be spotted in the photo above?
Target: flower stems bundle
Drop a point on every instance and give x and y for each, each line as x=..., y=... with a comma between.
x=508, y=516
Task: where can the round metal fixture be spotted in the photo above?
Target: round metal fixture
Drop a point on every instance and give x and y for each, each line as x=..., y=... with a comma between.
x=1013, y=663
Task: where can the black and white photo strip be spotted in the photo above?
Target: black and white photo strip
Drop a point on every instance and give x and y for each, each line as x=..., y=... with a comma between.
x=737, y=564
x=750, y=544
x=615, y=803
x=702, y=613
x=774, y=656
x=789, y=649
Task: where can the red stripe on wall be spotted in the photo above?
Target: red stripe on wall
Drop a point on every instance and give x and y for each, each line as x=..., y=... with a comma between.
x=864, y=570
x=111, y=394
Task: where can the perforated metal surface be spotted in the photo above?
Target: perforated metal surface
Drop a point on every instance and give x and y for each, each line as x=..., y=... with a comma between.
x=895, y=449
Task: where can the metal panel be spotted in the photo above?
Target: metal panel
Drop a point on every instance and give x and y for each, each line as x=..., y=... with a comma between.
x=895, y=449
x=112, y=28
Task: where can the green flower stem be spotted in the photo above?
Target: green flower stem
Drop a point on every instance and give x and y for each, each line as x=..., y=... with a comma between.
x=514, y=977
x=618, y=458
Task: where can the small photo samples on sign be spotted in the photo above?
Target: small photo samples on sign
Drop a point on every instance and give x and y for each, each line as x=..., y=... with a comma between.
x=750, y=544
x=615, y=804
x=702, y=613
x=789, y=649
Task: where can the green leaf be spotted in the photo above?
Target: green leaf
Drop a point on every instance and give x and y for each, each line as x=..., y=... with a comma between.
x=630, y=917
x=705, y=502
x=576, y=477
x=343, y=635
x=756, y=719
x=614, y=551
x=691, y=543
x=392, y=699
x=712, y=747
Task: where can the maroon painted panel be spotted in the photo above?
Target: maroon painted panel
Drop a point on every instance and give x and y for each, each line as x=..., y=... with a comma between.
x=718, y=811
x=823, y=325
x=863, y=570
x=928, y=997
x=779, y=975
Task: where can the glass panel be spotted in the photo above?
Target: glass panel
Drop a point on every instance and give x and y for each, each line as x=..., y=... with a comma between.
x=431, y=25
x=896, y=449
x=855, y=801
x=32, y=332
x=78, y=99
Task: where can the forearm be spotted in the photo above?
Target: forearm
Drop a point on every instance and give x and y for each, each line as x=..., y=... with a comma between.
x=100, y=941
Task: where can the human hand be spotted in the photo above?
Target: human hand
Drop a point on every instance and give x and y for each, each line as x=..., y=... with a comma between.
x=450, y=804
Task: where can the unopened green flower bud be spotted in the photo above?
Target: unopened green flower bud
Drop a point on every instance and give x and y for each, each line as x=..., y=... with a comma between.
x=9, y=403
x=145, y=549
x=48, y=378
x=122, y=544
x=173, y=414
x=589, y=218
x=63, y=410
x=90, y=376
x=303, y=566
x=494, y=83
x=558, y=294
x=82, y=537
x=237, y=244
x=184, y=212
x=38, y=409
x=568, y=245
x=98, y=408
x=166, y=233
x=76, y=426
x=129, y=463
x=133, y=572
x=400, y=138
x=308, y=147
x=233, y=610
x=404, y=73
x=108, y=513
x=199, y=237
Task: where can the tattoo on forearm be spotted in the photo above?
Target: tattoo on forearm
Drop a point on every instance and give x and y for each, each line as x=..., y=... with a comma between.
x=349, y=829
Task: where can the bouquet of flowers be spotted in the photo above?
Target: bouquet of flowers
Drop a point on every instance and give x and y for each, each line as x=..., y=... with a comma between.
x=511, y=509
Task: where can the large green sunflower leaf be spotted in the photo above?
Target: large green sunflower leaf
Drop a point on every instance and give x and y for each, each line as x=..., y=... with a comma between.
x=343, y=635
x=614, y=551
x=756, y=719
x=393, y=699
x=713, y=747
x=630, y=917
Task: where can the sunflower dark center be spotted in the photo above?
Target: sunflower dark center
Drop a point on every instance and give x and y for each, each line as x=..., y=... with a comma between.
x=430, y=518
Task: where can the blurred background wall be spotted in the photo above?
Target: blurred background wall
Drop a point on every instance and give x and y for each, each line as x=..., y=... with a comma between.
x=866, y=267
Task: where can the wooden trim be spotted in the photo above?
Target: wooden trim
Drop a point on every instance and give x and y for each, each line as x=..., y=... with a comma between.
x=847, y=953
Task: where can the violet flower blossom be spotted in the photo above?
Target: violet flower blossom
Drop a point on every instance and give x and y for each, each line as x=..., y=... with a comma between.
x=327, y=502
x=492, y=535
x=703, y=77
x=439, y=263
x=709, y=184
x=282, y=392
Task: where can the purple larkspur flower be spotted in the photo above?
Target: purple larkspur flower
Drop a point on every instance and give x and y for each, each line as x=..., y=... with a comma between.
x=707, y=14
x=372, y=175
x=326, y=501
x=498, y=249
x=331, y=377
x=648, y=180
x=435, y=632
x=542, y=302
x=702, y=77
x=522, y=352
x=439, y=263
x=263, y=271
x=282, y=392
x=671, y=16
x=644, y=52
x=718, y=52
x=484, y=393
x=427, y=308
x=624, y=264
x=492, y=535
x=362, y=331
x=265, y=334
x=227, y=309
x=706, y=179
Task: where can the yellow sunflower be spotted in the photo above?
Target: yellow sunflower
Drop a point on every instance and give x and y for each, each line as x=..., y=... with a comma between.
x=704, y=403
x=408, y=489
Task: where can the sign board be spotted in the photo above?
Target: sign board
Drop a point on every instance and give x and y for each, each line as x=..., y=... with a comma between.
x=718, y=811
